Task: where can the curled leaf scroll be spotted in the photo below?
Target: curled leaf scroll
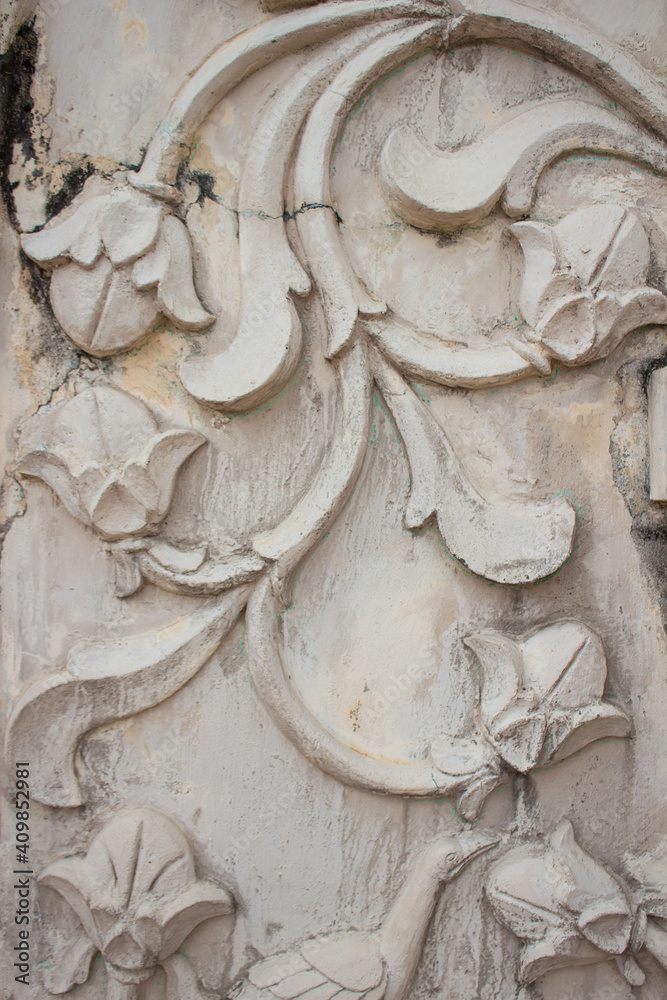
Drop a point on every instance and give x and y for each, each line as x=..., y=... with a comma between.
x=126, y=255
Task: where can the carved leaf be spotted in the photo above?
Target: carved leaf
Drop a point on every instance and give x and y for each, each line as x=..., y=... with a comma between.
x=508, y=543
x=107, y=680
x=103, y=455
x=211, y=577
x=424, y=356
x=444, y=190
x=104, y=301
x=462, y=757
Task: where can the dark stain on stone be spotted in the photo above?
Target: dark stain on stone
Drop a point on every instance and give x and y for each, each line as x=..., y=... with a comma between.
x=72, y=186
x=204, y=181
x=17, y=67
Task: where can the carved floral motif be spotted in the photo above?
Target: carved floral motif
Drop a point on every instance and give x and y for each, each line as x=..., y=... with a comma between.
x=568, y=909
x=584, y=283
x=137, y=897
x=104, y=456
x=541, y=700
x=119, y=260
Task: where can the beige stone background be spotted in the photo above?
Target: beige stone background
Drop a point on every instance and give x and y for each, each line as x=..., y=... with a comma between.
x=375, y=602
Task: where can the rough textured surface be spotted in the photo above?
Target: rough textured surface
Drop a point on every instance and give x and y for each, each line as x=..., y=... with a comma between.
x=332, y=357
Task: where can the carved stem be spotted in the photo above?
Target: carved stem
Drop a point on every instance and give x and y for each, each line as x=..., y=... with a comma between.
x=290, y=541
x=343, y=294
x=116, y=990
x=268, y=341
x=525, y=805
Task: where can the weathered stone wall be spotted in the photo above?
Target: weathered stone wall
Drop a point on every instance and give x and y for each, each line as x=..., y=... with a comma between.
x=333, y=511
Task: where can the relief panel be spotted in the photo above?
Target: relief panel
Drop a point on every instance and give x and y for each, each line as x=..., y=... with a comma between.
x=333, y=508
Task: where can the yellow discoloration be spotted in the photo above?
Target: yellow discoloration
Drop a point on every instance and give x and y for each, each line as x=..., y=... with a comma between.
x=135, y=32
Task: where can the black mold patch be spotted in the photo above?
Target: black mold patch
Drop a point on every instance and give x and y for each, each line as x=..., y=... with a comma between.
x=17, y=67
x=71, y=187
x=204, y=181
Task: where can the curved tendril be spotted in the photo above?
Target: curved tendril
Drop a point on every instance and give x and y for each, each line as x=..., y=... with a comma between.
x=268, y=341
x=417, y=778
x=289, y=542
x=343, y=295
x=242, y=56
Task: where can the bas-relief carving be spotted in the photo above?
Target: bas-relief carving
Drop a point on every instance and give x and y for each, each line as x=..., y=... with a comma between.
x=121, y=256
x=369, y=966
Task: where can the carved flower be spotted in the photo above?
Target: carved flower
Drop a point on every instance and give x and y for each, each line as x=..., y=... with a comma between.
x=119, y=260
x=569, y=910
x=584, y=283
x=137, y=897
x=540, y=701
x=103, y=455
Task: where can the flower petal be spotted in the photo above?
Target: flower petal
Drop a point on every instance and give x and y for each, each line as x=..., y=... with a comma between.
x=163, y=459
x=136, y=479
x=501, y=663
x=570, y=732
x=556, y=950
x=118, y=514
x=618, y=315
x=585, y=238
x=518, y=737
x=567, y=328
x=77, y=238
x=71, y=879
x=606, y=925
x=178, y=916
x=538, y=244
x=129, y=224
x=169, y=266
x=77, y=296
x=566, y=664
x=127, y=316
x=71, y=966
x=584, y=882
x=53, y=471
x=627, y=261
